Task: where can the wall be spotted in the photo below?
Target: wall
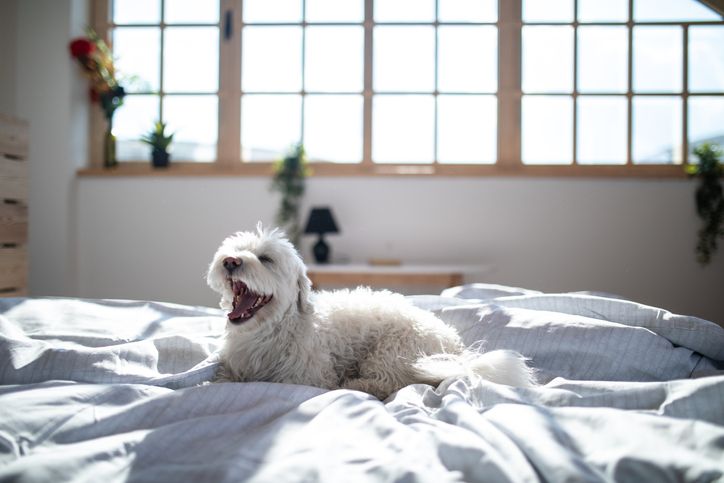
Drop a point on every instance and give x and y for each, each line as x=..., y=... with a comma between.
x=51, y=96
x=8, y=56
x=153, y=238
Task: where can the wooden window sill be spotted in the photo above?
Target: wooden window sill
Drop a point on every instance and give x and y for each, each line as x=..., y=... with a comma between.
x=183, y=169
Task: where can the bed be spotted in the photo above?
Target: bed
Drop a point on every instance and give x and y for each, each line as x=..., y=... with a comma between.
x=111, y=390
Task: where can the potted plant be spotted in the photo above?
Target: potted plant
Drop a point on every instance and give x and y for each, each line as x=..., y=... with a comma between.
x=159, y=142
x=289, y=180
x=709, y=199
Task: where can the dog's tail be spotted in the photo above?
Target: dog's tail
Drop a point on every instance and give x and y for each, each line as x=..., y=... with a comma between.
x=499, y=366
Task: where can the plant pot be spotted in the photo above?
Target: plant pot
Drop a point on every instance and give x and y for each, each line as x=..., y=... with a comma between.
x=159, y=158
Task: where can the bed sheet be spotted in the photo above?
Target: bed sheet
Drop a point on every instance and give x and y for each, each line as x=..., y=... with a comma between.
x=116, y=390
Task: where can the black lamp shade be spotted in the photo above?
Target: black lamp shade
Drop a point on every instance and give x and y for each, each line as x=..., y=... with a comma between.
x=321, y=221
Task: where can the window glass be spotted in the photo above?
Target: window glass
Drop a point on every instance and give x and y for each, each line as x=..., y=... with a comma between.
x=136, y=11
x=138, y=57
x=602, y=10
x=270, y=125
x=547, y=10
x=404, y=11
x=191, y=11
x=542, y=71
x=547, y=130
x=602, y=59
x=403, y=129
x=602, y=129
x=191, y=59
x=672, y=11
x=335, y=10
x=404, y=59
x=130, y=122
x=194, y=120
x=656, y=129
x=333, y=128
x=706, y=120
x=467, y=59
x=706, y=59
x=269, y=11
x=334, y=59
x=657, y=53
x=271, y=59
x=467, y=129
x=467, y=10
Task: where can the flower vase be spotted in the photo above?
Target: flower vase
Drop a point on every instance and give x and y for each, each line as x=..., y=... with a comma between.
x=109, y=146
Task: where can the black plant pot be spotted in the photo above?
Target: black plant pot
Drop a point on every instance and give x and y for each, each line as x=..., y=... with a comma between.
x=159, y=158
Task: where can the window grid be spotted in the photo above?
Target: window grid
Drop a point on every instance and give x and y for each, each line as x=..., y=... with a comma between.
x=679, y=158
x=508, y=100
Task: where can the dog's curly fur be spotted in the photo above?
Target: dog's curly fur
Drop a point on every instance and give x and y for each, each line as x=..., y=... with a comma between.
x=372, y=341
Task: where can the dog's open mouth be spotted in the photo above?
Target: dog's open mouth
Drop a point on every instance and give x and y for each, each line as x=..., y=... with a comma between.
x=245, y=303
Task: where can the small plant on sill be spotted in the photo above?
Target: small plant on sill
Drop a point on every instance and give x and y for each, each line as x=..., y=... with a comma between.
x=709, y=199
x=159, y=142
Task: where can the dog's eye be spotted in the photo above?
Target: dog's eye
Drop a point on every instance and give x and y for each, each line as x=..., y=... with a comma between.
x=265, y=259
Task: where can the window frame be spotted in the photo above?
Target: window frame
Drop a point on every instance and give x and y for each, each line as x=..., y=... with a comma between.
x=509, y=99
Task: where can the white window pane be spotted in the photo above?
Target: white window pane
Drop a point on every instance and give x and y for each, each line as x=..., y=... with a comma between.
x=404, y=59
x=657, y=53
x=191, y=59
x=403, y=129
x=272, y=11
x=333, y=128
x=547, y=130
x=271, y=59
x=195, y=121
x=602, y=10
x=138, y=57
x=656, y=130
x=467, y=129
x=136, y=11
x=191, y=11
x=334, y=59
x=404, y=10
x=131, y=121
x=468, y=59
x=706, y=121
x=602, y=59
x=706, y=59
x=547, y=10
x=672, y=10
x=270, y=125
x=602, y=129
x=468, y=10
x=335, y=10
x=548, y=59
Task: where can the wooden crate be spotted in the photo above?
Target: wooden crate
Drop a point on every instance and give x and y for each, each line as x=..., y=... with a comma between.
x=13, y=207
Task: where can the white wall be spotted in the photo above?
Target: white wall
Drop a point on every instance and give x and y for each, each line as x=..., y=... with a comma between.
x=152, y=238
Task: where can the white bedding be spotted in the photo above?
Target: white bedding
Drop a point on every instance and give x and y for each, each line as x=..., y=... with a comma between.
x=112, y=391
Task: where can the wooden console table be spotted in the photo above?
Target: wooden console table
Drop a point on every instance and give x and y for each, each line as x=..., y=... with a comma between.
x=352, y=275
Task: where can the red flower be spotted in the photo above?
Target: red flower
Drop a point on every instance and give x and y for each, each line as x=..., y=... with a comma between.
x=81, y=47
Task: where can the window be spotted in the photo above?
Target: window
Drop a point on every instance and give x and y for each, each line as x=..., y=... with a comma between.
x=421, y=86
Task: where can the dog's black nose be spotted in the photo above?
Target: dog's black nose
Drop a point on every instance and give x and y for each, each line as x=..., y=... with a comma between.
x=230, y=263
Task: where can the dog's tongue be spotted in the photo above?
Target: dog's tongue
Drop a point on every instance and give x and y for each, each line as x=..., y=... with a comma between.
x=245, y=303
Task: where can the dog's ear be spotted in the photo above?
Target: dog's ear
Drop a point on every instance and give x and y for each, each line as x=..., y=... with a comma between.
x=304, y=289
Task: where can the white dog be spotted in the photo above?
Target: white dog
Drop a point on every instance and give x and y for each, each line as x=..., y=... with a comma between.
x=278, y=330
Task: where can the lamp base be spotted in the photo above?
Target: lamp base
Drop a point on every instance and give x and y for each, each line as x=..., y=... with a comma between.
x=321, y=251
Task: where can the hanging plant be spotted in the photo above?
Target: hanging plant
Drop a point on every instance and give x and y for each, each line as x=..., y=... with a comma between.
x=709, y=200
x=289, y=180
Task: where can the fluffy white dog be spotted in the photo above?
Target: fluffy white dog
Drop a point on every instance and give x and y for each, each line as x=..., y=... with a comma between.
x=278, y=330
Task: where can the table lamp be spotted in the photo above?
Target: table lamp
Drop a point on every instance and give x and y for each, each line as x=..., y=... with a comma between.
x=321, y=221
